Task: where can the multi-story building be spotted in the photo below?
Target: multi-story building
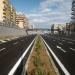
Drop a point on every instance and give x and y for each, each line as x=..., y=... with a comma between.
x=57, y=28
x=26, y=26
x=5, y=12
x=73, y=17
x=22, y=21
x=13, y=16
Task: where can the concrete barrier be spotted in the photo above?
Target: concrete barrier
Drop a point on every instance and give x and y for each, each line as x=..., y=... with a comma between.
x=6, y=31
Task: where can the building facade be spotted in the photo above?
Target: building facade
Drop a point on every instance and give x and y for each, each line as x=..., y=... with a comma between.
x=58, y=29
x=7, y=13
x=72, y=27
x=22, y=21
x=13, y=16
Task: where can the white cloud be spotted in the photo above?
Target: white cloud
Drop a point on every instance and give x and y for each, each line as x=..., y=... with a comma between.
x=19, y=12
x=38, y=20
x=35, y=15
x=45, y=10
x=51, y=11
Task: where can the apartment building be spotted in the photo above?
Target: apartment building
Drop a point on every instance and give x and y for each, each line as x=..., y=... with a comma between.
x=13, y=16
x=58, y=28
x=73, y=17
x=22, y=21
x=5, y=12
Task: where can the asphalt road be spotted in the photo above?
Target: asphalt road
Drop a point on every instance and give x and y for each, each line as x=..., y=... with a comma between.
x=64, y=49
x=11, y=51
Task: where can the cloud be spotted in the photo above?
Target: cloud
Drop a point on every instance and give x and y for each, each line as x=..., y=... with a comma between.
x=50, y=12
x=19, y=12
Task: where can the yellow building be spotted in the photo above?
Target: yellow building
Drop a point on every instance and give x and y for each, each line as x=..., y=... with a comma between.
x=13, y=16
x=5, y=12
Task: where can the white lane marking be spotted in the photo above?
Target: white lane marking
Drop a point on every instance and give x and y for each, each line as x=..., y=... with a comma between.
x=15, y=43
x=72, y=49
x=8, y=39
x=2, y=49
x=61, y=49
x=58, y=61
x=68, y=39
x=63, y=40
x=70, y=42
x=2, y=41
x=19, y=61
x=26, y=65
x=60, y=43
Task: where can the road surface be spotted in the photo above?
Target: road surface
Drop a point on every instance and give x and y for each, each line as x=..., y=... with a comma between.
x=64, y=50
x=11, y=51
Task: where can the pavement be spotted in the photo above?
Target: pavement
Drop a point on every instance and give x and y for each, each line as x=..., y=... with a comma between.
x=64, y=50
x=11, y=51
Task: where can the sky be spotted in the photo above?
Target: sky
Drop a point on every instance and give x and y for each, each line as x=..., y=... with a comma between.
x=44, y=13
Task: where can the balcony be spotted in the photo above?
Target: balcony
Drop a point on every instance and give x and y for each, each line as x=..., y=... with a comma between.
x=4, y=2
x=73, y=5
x=4, y=9
x=73, y=9
x=73, y=17
x=4, y=17
x=11, y=17
x=11, y=14
x=4, y=13
x=73, y=21
x=73, y=13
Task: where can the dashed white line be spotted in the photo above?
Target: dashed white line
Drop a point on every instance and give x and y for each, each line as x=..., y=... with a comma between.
x=8, y=39
x=70, y=42
x=58, y=61
x=2, y=41
x=72, y=49
x=68, y=39
x=2, y=49
x=63, y=40
x=60, y=43
x=15, y=43
x=61, y=49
